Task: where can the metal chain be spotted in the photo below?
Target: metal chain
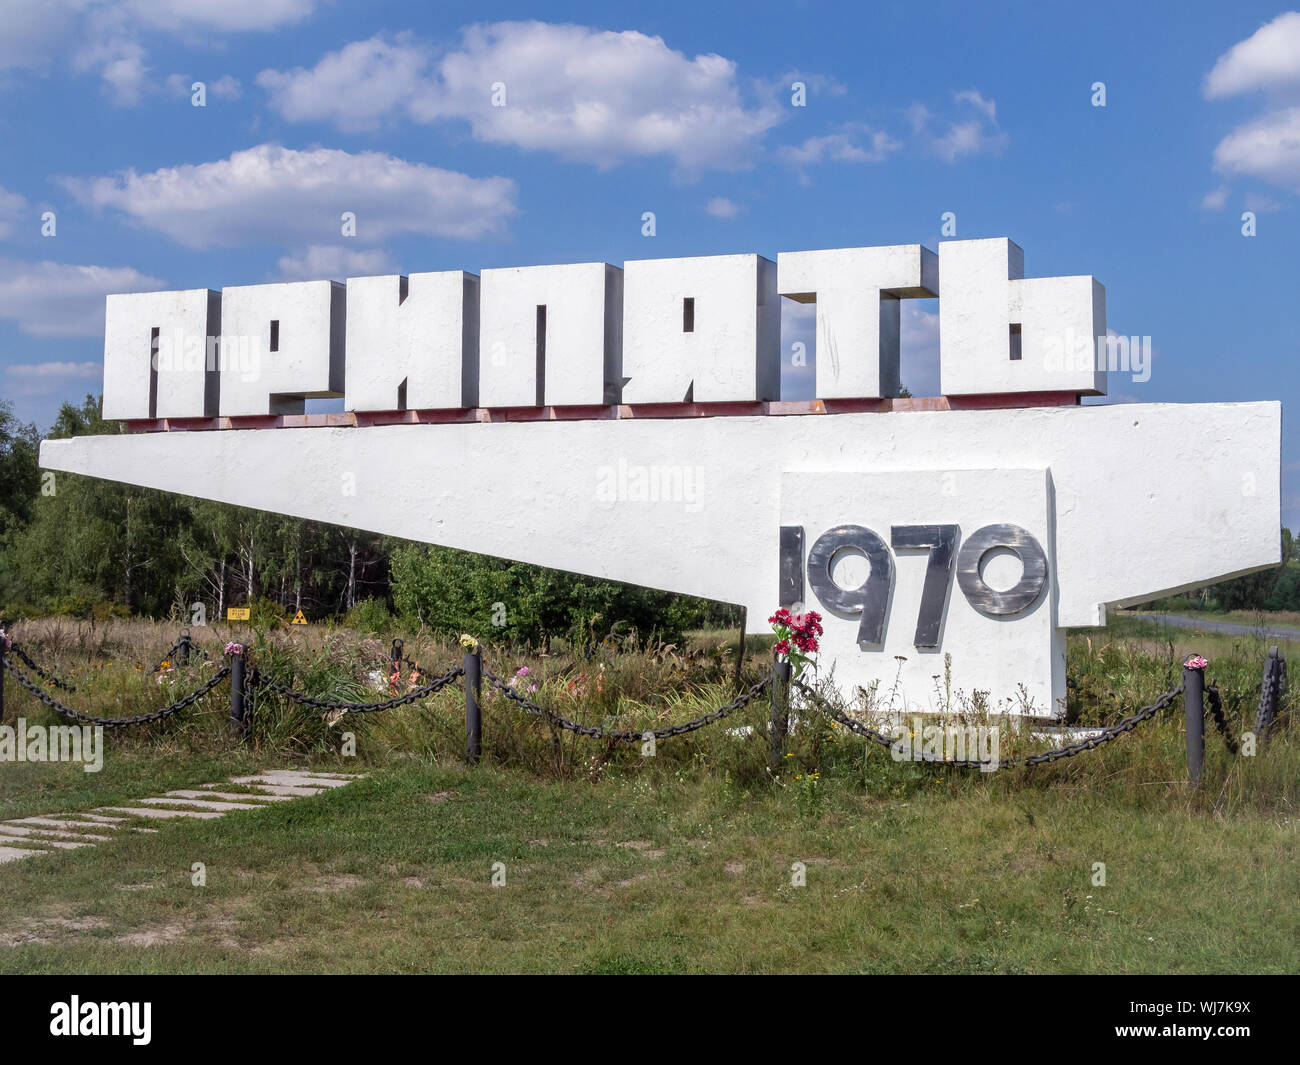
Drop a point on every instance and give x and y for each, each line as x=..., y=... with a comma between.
x=1214, y=704
x=185, y=640
x=626, y=735
x=436, y=685
x=43, y=674
x=115, y=722
x=1069, y=751
x=1271, y=691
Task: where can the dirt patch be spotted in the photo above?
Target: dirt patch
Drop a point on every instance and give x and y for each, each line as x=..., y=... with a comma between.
x=644, y=847
x=589, y=877
x=153, y=937
x=331, y=885
x=439, y=796
x=735, y=868
x=413, y=881
x=40, y=931
x=135, y=887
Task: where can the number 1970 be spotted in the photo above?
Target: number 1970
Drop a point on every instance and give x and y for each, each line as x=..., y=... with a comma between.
x=871, y=600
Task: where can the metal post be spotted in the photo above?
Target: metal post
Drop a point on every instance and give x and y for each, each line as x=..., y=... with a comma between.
x=740, y=658
x=183, y=650
x=1194, y=713
x=237, y=692
x=473, y=717
x=396, y=656
x=780, y=700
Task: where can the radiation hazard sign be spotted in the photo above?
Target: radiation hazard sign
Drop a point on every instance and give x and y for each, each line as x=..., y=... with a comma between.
x=298, y=619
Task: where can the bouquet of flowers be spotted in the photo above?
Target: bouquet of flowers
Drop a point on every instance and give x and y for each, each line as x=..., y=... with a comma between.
x=796, y=637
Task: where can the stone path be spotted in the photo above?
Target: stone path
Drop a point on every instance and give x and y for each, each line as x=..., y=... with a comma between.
x=26, y=837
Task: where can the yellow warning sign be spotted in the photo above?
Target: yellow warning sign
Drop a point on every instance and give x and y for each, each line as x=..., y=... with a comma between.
x=298, y=619
x=237, y=613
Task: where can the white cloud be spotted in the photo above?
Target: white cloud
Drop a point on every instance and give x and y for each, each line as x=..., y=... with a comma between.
x=226, y=87
x=1261, y=204
x=976, y=100
x=918, y=343
x=978, y=134
x=103, y=37
x=48, y=299
x=1215, y=198
x=127, y=78
x=1268, y=60
x=1267, y=148
x=853, y=142
x=11, y=208
x=587, y=95
x=721, y=207
x=222, y=16
x=798, y=326
x=330, y=262
x=46, y=378
x=357, y=87
x=268, y=194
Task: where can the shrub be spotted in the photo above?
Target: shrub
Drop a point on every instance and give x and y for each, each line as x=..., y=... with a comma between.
x=370, y=617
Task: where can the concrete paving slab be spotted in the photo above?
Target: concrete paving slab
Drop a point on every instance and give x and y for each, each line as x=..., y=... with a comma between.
x=234, y=796
x=74, y=822
x=24, y=831
x=293, y=790
x=57, y=844
x=291, y=780
x=154, y=811
x=13, y=854
x=204, y=805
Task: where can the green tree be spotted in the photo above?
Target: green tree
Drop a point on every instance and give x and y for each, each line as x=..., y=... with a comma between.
x=20, y=477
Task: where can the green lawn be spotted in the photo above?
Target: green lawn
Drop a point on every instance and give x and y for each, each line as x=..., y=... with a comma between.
x=394, y=874
x=680, y=863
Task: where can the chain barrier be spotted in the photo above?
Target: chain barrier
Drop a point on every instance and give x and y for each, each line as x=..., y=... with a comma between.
x=43, y=674
x=1271, y=692
x=625, y=735
x=1214, y=704
x=422, y=692
x=115, y=722
x=184, y=642
x=1129, y=723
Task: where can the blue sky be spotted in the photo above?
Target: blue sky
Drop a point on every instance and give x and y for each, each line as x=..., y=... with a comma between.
x=317, y=107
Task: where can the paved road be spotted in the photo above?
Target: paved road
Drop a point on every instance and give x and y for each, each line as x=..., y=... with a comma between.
x=1179, y=621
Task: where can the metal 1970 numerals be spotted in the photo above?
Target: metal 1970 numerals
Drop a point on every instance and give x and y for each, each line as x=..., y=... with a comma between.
x=871, y=599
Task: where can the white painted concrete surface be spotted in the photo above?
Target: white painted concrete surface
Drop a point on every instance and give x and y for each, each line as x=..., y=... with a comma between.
x=429, y=340
x=582, y=327
x=731, y=351
x=186, y=387
x=986, y=652
x=304, y=322
x=1145, y=499
x=985, y=294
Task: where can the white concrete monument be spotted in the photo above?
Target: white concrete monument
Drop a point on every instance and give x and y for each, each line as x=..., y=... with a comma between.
x=623, y=424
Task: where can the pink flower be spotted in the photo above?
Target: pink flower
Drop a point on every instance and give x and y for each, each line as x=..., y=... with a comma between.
x=523, y=671
x=234, y=648
x=1196, y=662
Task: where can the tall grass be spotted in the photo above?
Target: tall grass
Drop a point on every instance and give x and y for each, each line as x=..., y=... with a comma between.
x=639, y=686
